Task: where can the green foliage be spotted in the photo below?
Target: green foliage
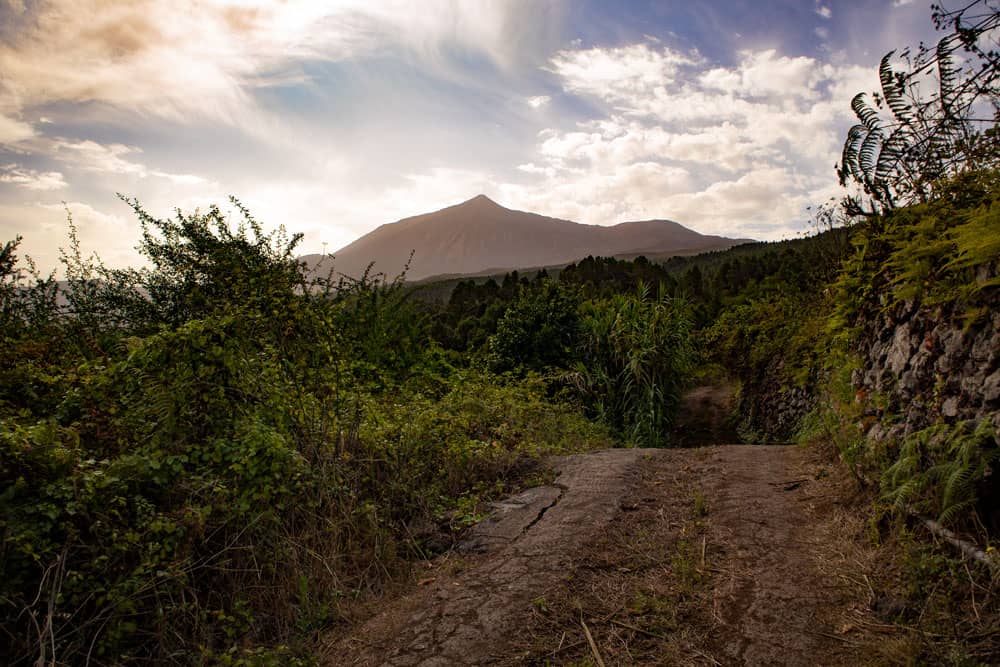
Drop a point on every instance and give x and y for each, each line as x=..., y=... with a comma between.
x=941, y=253
x=201, y=266
x=930, y=253
x=753, y=337
x=635, y=360
x=938, y=469
x=200, y=460
x=538, y=330
x=602, y=277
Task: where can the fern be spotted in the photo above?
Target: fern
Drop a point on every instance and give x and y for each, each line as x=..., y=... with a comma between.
x=938, y=468
x=865, y=112
x=871, y=148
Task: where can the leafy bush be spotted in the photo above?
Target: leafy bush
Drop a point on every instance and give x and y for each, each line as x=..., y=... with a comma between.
x=202, y=459
x=538, y=330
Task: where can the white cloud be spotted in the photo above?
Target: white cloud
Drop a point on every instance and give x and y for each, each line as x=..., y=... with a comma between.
x=539, y=101
x=824, y=11
x=92, y=156
x=13, y=131
x=619, y=74
x=31, y=179
x=765, y=73
x=738, y=150
x=110, y=159
x=179, y=179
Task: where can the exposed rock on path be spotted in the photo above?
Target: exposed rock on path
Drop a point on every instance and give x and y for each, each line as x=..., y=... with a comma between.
x=536, y=537
x=776, y=604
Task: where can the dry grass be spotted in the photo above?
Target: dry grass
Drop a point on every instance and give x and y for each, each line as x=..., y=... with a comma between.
x=641, y=590
x=918, y=601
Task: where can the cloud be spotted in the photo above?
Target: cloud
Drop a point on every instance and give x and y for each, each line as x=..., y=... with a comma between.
x=739, y=150
x=206, y=59
x=539, y=101
x=764, y=73
x=109, y=158
x=31, y=179
x=92, y=156
x=618, y=74
x=13, y=131
x=824, y=11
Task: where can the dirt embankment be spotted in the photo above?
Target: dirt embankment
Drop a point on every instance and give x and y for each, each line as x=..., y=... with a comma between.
x=716, y=555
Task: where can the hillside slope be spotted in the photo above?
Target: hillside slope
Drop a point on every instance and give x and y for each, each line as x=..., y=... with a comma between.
x=479, y=234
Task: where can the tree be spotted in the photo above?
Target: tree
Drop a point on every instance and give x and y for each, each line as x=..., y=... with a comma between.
x=538, y=331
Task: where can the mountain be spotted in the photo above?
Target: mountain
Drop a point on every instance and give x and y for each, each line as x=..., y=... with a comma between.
x=479, y=234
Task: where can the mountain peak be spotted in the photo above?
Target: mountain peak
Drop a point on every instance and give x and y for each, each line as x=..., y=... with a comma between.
x=481, y=200
x=479, y=234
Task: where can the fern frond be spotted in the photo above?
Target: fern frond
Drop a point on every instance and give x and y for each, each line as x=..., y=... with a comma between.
x=893, y=91
x=869, y=153
x=947, y=73
x=849, y=157
x=865, y=112
x=892, y=152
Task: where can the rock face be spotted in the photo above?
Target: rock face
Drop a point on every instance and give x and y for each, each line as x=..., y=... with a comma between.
x=920, y=365
x=924, y=365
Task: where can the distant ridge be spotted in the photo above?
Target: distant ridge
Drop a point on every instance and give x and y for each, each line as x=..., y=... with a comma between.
x=479, y=235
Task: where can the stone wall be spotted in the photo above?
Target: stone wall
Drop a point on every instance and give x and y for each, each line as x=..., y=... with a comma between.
x=923, y=365
x=770, y=408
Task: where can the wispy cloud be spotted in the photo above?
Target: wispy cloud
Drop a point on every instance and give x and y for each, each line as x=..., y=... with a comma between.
x=31, y=179
x=207, y=58
x=110, y=159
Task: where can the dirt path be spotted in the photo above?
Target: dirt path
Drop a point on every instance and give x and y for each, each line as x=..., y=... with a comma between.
x=465, y=614
x=716, y=555
x=705, y=416
x=774, y=598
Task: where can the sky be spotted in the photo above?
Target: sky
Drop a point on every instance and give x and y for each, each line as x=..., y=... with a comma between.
x=334, y=117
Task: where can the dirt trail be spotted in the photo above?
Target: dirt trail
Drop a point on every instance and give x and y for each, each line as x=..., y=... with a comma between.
x=465, y=617
x=719, y=555
x=775, y=603
x=765, y=597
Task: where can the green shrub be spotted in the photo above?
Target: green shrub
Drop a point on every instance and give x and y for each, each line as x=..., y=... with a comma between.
x=539, y=329
x=207, y=475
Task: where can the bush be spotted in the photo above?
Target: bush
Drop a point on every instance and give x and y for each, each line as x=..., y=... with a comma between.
x=209, y=474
